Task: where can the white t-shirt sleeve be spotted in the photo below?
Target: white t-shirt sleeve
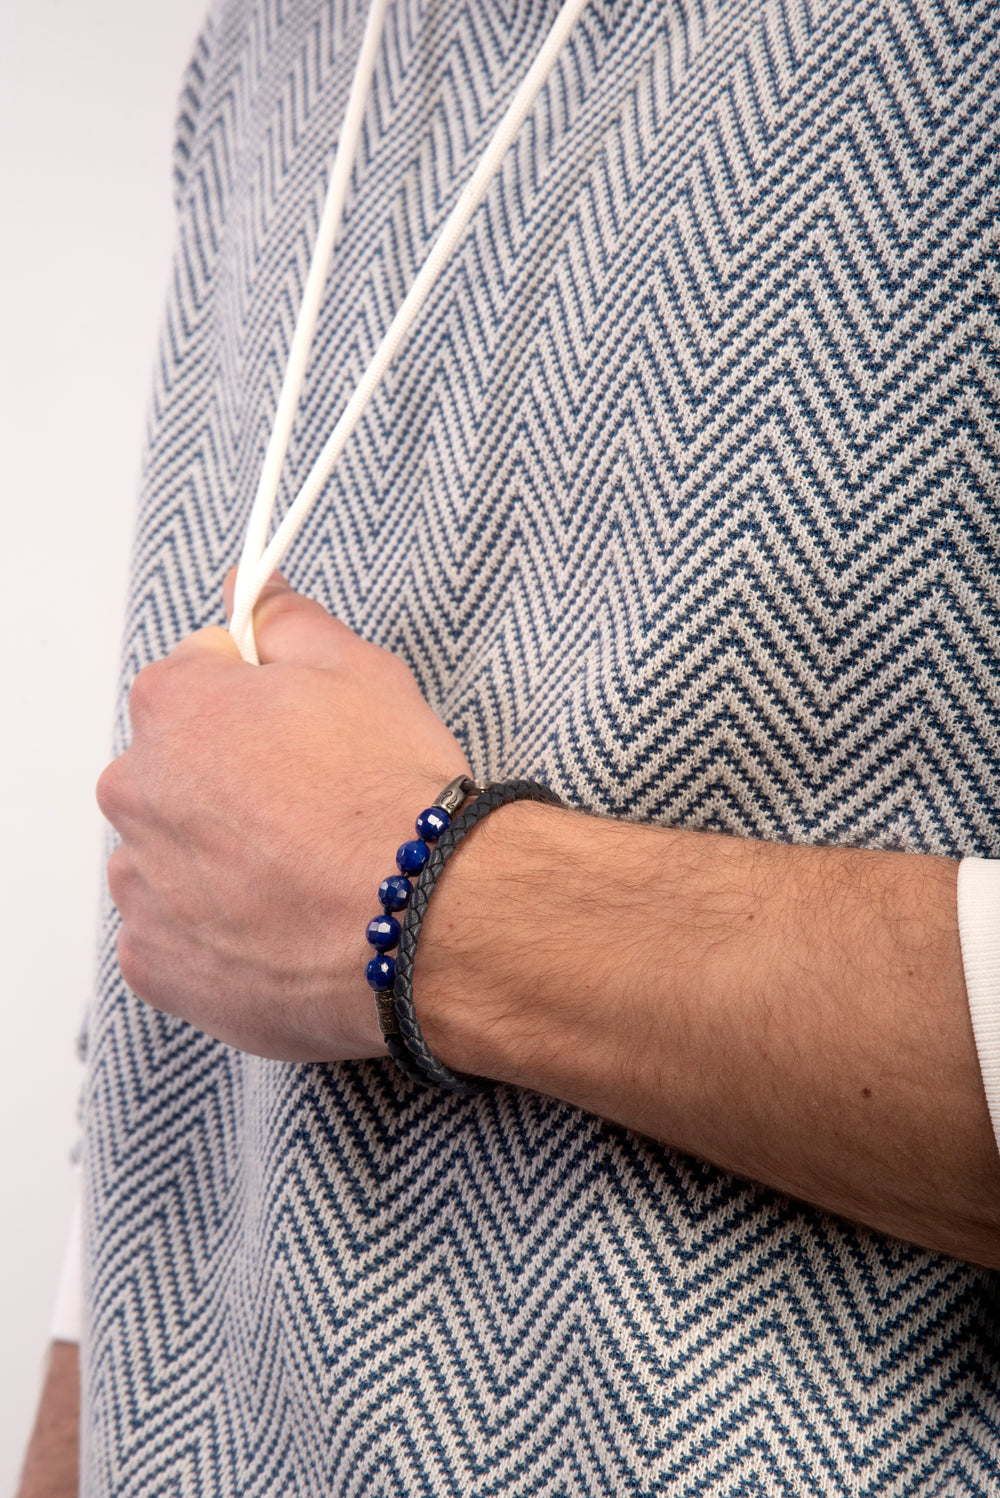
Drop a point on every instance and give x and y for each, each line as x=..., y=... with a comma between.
x=67, y=1316
x=979, y=929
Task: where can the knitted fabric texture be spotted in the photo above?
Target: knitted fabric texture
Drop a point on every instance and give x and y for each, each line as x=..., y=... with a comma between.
x=682, y=499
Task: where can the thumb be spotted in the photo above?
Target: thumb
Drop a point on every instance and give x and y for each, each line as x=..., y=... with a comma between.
x=213, y=640
x=288, y=627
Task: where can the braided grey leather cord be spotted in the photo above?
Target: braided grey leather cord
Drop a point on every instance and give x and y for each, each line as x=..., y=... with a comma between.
x=401, y=1029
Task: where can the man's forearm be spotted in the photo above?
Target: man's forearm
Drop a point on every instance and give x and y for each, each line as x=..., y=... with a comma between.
x=51, y=1463
x=794, y=1015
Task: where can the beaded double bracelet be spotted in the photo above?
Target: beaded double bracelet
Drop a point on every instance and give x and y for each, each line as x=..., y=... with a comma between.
x=439, y=833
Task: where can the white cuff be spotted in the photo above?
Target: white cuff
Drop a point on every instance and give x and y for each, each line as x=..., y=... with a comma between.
x=67, y=1317
x=979, y=930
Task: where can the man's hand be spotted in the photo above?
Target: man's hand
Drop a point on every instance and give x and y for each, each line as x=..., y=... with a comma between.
x=258, y=809
x=795, y=1015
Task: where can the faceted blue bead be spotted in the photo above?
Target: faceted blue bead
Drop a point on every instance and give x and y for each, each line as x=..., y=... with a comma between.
x=394, y=893
x=381, y=971
x=432, y=822
x=411, y=857
x=384, y=932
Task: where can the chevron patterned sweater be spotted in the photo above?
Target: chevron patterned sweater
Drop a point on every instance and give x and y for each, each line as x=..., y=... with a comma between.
x=683, y=497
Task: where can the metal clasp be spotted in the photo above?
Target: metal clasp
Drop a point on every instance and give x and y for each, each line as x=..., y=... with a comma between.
x=457, y=791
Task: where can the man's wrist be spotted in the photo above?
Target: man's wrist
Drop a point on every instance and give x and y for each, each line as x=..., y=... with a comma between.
x=497, y=938
x=575, y=954
x=533, y=952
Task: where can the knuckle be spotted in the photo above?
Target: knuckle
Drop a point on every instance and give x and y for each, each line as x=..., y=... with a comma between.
x=130, y=964
x=147, y=691
x=109, y=790
x=398, y=672
x=386, y=660
x=119, y=875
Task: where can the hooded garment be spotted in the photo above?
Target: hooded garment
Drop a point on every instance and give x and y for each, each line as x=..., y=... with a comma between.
x=683, y=498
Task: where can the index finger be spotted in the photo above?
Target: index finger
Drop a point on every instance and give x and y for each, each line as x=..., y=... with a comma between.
x=277, y=580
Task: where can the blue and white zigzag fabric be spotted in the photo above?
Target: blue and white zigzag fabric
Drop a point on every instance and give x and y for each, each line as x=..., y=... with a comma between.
x=683, y=498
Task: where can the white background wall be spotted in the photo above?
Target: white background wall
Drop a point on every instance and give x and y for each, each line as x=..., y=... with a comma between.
x=87, y=96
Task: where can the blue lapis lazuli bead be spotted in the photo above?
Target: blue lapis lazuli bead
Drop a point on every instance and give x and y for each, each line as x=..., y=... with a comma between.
x=394, y=893
x=411, y=857
x=432, y=822
x=384, y=932
x=381, y=971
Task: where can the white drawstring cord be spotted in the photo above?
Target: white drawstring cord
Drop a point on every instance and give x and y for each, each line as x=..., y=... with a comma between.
x=259, y=522
x=254, y=571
